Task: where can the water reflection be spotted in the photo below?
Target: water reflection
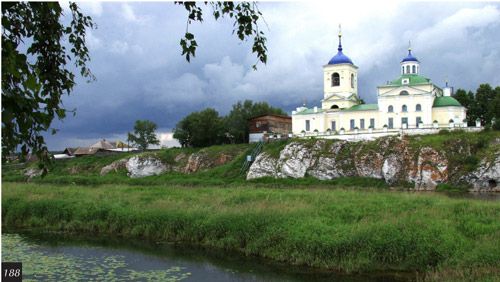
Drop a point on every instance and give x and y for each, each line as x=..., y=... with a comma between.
x=187, y=262
x=485, y=196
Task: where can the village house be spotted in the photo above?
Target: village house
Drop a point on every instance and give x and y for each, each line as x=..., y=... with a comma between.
x=102, y=147
x=270, y=124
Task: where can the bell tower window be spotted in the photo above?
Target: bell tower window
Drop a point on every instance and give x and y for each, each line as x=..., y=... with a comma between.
x=352, y=80
x=335, y=79
x=407, y=69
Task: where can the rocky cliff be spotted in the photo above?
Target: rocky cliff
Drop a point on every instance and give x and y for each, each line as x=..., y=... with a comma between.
x=411, y=161
x=154, y=164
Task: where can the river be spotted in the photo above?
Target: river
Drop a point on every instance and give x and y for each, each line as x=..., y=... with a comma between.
x=62, y=256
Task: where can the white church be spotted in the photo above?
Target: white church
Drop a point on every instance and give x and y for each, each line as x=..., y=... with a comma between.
x=410, y=101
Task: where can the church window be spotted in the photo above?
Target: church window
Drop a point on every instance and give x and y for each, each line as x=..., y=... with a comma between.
x=404, y=92
x=404, y=122
x=391, y=123
x=418, y=120
x=390, y=109
x=403, y=69
x=408, y=69
x=414, y=69
x=352, y=124
x=362, y=123
x=308, y=125
x=335, y=79
x=418, y=108
x=372, y=122
x=334, y=107
x=352, y=80
x=404, y=108
x=334, y=126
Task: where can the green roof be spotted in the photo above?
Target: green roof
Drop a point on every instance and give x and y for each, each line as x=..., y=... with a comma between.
x=309, y=111
x=445, y=102
x=414, y=80
x=362, y=107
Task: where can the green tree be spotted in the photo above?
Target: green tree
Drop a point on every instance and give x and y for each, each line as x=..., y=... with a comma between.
x=236, y=122
x=144, y=134
x=246, y=16
x=484, y=96
x=200, y=129
x=467, y=99
x=35, y=71
x=494, y=108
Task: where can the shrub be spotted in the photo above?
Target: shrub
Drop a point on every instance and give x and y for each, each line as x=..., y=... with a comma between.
x=496, y=126
x=444, y=132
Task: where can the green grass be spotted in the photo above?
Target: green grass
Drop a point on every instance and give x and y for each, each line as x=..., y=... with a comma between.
x=349, y=230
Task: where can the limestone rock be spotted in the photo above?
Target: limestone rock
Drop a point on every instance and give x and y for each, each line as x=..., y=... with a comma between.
x=391, y=168
x=486, y=177
x=392, y=159
x=264, y=165
x=114, y=166
x=75, y=169
x=180, y=157
x=196, y=162
x=430, y=169
x=295, y=159
x=203, y=161
x=369, y=163
x=145, y=166
x=32, y=172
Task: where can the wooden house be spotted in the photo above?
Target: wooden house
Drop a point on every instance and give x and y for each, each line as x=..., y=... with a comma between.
x=272, y=125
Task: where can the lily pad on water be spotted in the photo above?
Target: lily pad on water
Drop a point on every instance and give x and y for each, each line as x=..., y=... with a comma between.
x=41, y=265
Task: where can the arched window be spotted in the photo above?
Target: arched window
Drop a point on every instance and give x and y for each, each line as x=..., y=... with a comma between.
x=408, y=69
x=352, y=80
x=418, y=108
x=404, y=92
x=390, y=109
x=335, y=79
x=414, y=69
x=334, y=107
x=404, y=108
x=403, y=69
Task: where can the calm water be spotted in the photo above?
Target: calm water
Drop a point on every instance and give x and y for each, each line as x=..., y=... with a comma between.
x=54, y=256
x=486, y=196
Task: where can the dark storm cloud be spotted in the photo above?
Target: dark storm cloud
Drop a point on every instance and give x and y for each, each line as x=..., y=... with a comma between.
x=141, y=74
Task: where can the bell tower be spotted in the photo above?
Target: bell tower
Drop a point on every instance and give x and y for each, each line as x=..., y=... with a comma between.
x=340, y=75
x=340, y=78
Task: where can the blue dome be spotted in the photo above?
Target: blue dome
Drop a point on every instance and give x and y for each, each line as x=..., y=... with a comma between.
x=410, y=58
x=340, y=58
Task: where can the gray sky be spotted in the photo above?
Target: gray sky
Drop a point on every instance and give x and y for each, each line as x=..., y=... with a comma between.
x=141, y=74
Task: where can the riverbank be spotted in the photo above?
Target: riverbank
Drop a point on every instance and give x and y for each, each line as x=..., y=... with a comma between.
x=352, y=231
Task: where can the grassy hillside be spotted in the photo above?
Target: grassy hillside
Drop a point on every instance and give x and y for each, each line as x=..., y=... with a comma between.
x=464, y=151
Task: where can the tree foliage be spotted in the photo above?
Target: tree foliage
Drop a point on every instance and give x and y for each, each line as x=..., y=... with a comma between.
x=483, y=105
x=200, y=129
x=207, y=128
x=35, y=71
x=236, y=122
x=246, y=16
x=144, y=134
